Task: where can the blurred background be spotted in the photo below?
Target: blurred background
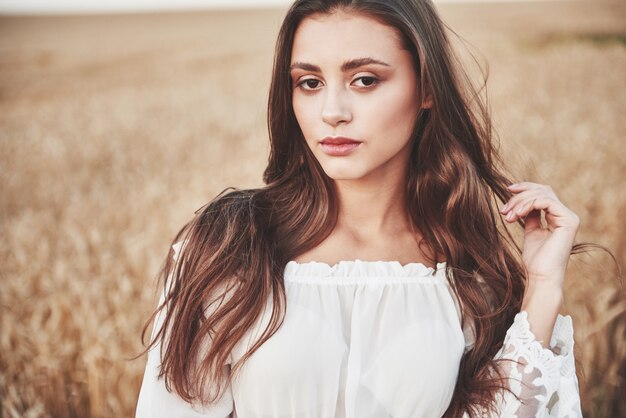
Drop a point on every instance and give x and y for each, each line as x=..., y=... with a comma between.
x=116, y=126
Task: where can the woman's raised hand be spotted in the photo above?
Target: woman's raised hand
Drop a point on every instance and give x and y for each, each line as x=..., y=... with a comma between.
x=546, y=249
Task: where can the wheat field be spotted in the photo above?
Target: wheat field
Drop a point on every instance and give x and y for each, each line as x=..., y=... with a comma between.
x=114, y=129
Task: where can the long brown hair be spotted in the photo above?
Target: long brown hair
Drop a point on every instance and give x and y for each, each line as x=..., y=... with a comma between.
x=237, y=246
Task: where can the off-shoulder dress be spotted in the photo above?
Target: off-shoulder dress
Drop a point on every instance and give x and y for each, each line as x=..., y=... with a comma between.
x=373, y=339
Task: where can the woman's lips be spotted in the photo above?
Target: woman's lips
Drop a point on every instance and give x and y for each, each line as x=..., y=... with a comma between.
x=339, y=146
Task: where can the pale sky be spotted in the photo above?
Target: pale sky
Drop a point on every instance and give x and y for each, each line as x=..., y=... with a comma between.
x=100, y=6
x=95, y=6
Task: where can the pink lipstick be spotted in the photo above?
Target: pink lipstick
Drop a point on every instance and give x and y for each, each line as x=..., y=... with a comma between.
x=339, y=146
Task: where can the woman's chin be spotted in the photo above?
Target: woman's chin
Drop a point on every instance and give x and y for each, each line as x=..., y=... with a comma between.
x=343, y=174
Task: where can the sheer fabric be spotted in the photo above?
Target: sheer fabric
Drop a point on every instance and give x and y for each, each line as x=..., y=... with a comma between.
x=373, y=339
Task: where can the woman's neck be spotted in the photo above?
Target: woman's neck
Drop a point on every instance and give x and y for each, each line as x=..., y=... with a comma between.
x=372, y=209
x=373, y=224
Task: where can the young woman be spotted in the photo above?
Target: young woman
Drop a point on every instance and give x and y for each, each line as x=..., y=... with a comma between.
x=373, y=275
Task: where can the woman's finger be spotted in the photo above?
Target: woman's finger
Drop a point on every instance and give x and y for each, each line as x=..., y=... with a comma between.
x=521, y=189
x=532, y=221
x=526, y=185
x=557, y=214
x=515, y=204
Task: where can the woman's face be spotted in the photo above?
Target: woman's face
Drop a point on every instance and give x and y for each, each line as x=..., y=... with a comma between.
x=352, y=79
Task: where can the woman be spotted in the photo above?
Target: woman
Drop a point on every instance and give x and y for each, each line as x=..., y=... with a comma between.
x=370, y=277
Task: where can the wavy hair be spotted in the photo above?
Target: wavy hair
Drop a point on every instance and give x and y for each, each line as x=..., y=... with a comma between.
x=236, y=247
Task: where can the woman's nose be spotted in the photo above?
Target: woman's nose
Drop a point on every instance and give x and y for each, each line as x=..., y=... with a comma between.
x=336, y=107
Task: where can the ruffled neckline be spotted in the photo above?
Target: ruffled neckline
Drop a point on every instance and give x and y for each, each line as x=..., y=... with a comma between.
x=361, y=269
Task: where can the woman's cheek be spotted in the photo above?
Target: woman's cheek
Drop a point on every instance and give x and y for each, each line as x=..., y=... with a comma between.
x=301, y=114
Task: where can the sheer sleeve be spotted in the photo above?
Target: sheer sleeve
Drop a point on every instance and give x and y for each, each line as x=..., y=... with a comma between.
x=156, y=401
x=543, y=378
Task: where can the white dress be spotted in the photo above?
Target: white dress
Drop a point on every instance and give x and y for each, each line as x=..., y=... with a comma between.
x=373, y=339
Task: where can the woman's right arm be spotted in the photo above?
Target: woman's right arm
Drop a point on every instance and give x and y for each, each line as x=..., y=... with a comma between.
x=155, y=401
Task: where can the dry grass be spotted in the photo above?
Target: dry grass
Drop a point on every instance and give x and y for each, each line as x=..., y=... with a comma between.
x=114, y=129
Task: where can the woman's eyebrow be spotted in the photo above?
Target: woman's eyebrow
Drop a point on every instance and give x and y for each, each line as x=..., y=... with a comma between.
x=346, y=66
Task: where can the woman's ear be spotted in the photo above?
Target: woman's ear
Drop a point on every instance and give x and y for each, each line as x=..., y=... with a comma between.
x=427, y=103
x=425, y=92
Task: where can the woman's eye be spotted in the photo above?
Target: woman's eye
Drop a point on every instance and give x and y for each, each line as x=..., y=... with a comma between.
x=367, y=81
x=309, y=84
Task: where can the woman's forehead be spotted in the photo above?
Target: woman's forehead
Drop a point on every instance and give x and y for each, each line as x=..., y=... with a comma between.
x=342, y=35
